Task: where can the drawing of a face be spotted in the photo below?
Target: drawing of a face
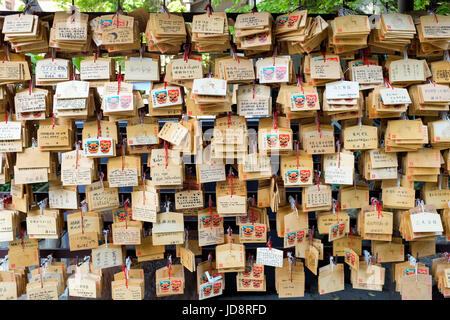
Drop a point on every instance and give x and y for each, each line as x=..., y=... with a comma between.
x=268, y=73
x=161, y=97
x=291, y=238
x=243, y=219
x=311, y=100
x=284, y=140
x=173, y=95
x=25, y=115
x=121, y=215
x=246, y=282
x=247, y=271
x=216, y=287
x=259, y=231
x=257, y=283
x=292, y=20
x=304, y=175
x=409, y=271
x=299, y=101
x=206, y=221
x=334, y=231
x=251, y=39
x=113, y=102
x=106, y=23
x=347, y=256
x=37, y=114
x=282, y=21
x=341, y=229
x=262, y=37
x=164, y=286
x=207, y=290
x=105, y=146
x=176, y=285
x=248, y=230
x=281, y=72
x=216, y=220
x=292, y=176
x=422, y=271
x=272, y=140
x=92, y=147
x=257, y=271
x=203, y=279
x=125, y=102
x=300, y=236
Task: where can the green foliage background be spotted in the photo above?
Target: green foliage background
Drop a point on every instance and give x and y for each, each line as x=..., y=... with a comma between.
x=127, y=5
x=331, y=6
x=274, y=6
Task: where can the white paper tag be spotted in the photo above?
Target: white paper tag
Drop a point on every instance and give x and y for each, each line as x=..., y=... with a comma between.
x=10, y=130
x=426, y=222
x=395, y=96
x=269, y=257
x=72, y=90
x=210, y=87
x=342, y=90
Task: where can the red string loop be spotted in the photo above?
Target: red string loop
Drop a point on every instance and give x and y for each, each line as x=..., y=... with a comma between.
x=351, y=238
x=339, y=152
x=269, y=244
x=122, y=151
x=388, y=83
x=230, y=177
x=299, y=83
x=187, y=52
x=76, y=154
x=124, y=269
x=209, y=8
x=143, y=186
x=319, y=129
x=324, y=56
x=166, y=10
x=119, y=80
x=380, y=213
x=233, y=51
x=82, y=220
x=365, y=56
x=99, y=126
x=166, y=152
